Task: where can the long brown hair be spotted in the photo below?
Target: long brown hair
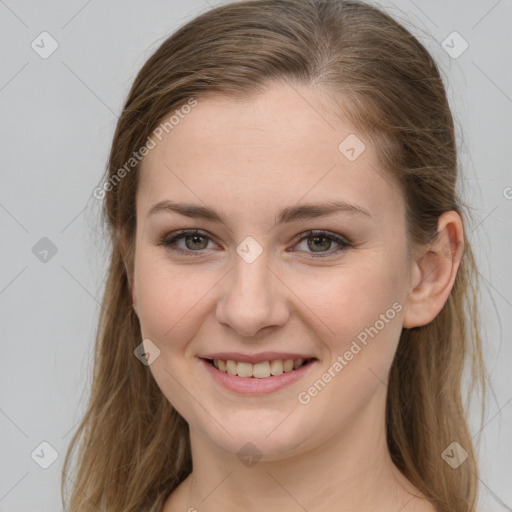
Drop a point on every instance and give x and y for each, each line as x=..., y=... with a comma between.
x=132, y=448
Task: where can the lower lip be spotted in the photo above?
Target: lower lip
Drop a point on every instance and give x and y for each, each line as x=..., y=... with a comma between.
x=254, y=386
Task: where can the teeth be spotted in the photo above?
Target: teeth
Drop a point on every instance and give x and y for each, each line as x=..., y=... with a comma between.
x=297, y=363
x=231, y=367
x=288, y=365
x=259, y=370
x=244, y=369
x=276, y=367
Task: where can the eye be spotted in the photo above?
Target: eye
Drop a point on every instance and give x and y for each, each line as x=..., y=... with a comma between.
x=194, y=241
x=319, y=243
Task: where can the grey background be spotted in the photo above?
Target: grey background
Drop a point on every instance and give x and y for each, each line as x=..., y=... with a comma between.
x=57, y=122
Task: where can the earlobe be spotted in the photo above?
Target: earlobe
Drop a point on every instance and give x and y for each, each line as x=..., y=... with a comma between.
x=434, y=271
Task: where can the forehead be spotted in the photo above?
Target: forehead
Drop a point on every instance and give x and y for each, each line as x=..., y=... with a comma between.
x=271, y=124
x=283, y=145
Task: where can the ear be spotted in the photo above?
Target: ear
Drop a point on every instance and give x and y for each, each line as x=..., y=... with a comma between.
x=434, y=270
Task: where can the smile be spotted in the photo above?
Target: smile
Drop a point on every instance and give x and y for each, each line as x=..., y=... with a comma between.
x=261, y=370
x=259, y=378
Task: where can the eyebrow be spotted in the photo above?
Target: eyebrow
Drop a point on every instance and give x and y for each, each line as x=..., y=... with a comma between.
x=291, y=213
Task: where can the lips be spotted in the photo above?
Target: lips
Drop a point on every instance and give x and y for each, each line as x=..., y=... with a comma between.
x=262, y=373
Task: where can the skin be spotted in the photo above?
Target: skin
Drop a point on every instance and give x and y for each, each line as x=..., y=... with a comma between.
x=248, y=159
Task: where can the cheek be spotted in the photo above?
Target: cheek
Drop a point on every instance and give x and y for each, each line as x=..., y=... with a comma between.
x=364, y=314
x=347, y=300
x=166, y=295
x=174, y=301
x=359, y=313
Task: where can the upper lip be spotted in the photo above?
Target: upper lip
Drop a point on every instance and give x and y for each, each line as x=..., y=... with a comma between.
x=255, y=358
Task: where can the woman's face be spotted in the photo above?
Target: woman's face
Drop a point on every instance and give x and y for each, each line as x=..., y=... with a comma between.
x=257, y=286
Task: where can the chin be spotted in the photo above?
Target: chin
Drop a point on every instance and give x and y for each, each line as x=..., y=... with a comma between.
x=269, y=439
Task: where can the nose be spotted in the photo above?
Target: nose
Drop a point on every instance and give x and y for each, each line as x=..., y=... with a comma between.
x=253, y=299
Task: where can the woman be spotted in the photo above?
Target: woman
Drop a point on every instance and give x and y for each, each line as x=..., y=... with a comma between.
x=285, y=319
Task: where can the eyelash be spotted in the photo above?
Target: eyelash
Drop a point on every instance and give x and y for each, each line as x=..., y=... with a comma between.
x=168, y=242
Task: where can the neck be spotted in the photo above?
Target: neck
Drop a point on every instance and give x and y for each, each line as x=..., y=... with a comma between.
x=350, y=471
